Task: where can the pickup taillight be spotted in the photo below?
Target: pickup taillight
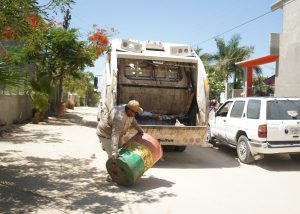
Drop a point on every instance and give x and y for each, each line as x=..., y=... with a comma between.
x=262, y=131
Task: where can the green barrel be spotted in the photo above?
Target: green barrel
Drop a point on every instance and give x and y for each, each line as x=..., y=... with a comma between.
x=136, y=156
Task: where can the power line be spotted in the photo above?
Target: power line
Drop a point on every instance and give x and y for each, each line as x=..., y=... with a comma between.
x=240, y=25
x=83, y=21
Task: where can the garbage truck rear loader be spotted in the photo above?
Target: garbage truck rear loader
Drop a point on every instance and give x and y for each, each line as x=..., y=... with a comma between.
x=170, y=83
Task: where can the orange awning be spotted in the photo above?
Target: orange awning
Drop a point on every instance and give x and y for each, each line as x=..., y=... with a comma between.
x=258, y=61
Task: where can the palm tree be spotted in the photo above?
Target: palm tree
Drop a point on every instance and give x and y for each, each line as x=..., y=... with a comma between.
x=226, y=57
x=206, y=58
x=11, y=75
x=260, y=88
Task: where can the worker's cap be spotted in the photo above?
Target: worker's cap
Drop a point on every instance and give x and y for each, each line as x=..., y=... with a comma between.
x=134, y=105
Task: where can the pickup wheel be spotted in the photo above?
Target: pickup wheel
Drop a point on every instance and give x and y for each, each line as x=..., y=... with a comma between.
x=295, y=157
x=243, y=150
x=209, y=138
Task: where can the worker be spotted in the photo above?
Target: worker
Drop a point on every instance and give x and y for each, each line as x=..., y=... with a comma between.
x=115, y=124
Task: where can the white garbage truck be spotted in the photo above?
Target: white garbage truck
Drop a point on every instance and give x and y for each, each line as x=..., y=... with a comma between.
x=169, y=81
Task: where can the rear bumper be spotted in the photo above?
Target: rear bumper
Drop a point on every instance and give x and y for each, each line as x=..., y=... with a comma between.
x=174, y=135
x=268, y=148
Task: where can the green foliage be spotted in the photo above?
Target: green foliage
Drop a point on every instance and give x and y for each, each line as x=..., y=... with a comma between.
x=228, y=54
x=14, y=15
x=93, y=98
x=215, y=77
x=215, y=80
x=13, y=19
x=18, y=21
x=80, y=84
x=221, y=65
x=56, y=53
x=11, y=75
x=259, y=86
x=39, y=100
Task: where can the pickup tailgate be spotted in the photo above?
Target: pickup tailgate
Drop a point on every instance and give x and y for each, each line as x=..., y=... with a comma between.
x=283, y=120
x=175, y=135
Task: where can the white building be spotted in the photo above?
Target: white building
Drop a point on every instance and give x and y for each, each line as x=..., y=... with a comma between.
x=287, y=80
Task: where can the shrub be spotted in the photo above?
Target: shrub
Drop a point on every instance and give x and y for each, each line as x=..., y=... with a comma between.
x=70, y=104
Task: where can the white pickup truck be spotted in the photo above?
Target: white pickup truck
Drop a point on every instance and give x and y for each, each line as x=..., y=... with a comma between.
x=258, y=126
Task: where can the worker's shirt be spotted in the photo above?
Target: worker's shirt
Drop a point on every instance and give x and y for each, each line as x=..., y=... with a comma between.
x=115, y=124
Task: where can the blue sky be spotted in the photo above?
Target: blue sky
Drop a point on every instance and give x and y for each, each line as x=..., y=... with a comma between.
x=190, y=22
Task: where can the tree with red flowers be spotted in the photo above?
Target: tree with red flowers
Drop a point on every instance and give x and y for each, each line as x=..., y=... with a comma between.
x=55, y=51
x=19, y=17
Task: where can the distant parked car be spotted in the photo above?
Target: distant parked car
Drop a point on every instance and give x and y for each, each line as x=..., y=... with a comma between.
x=258, y=126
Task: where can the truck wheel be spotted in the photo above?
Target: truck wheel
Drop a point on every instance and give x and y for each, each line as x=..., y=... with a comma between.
x=295, y=157
x=168, y=148
x=243, y=150
x=180, y=148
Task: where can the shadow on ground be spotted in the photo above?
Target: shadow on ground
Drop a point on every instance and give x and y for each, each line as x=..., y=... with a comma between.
x=278, y=162
x=197, y=157
x=274, y=162
x=20, y=135
x=66, y=185
x=17, y=134
x=71, y=118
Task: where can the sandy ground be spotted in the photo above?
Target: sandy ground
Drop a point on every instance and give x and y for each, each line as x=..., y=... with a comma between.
x=59, y=167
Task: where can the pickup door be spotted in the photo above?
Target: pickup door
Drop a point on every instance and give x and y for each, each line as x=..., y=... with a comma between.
x=218, y=123
x=234, y=121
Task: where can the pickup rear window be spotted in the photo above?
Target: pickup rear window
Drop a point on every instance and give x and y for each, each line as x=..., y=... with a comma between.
x=283, y=110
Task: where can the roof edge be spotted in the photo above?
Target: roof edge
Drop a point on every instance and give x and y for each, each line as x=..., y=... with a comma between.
x=277, y=5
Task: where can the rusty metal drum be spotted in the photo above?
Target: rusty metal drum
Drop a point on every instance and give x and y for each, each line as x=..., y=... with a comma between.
x=137, y=155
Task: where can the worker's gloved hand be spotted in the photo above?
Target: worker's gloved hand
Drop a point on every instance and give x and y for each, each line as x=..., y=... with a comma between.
x=115, y=155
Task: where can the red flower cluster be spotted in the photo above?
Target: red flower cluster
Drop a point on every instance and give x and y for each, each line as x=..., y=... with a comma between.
x=98, y=41
x=32, y=21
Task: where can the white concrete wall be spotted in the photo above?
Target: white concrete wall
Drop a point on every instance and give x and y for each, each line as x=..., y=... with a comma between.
x=287, y=83
x=15, y=107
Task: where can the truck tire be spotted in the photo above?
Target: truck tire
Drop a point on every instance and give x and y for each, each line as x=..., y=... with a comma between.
x=295, y=157
x=243, y=150
x=168, y=148
x=180, y=148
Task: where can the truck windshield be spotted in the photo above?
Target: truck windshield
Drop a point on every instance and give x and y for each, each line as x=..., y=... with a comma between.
x=283, y=110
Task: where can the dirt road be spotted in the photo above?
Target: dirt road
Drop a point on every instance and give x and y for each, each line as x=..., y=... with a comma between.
x=58, y=167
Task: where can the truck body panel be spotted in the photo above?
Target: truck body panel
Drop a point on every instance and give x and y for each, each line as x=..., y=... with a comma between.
x=170, y=83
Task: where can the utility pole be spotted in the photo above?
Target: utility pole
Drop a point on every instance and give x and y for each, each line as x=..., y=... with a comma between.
x=67, y=19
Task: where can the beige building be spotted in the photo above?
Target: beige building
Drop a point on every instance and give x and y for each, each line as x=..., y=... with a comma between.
x=287, y=81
